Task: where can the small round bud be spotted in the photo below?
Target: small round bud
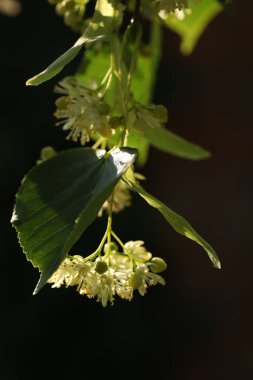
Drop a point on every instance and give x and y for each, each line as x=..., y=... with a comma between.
x=135, y=280
x=113, y=248
x=61, y=103
x=103, y=108
x=101, y=267
x=47, y=152
x=105, y=131
x=140, y=125
x=69, y=5
x=115, y=122
x=71, y=19
x=160, y=113
x=157, y=265
x=60, y=9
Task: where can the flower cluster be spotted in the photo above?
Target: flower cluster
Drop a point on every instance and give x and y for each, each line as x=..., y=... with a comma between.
x=72, y=12
x=113, y=274
x=82, y=111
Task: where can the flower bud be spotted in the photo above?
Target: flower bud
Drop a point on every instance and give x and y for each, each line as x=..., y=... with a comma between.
x=160, y=113
x=157, y=265
x=105, y=131
x=140, y=125
x=60, y=9
x=103, y=108
x=69, y=5
x=61, y=103
x=71, y=19
x=115, y=122
x=135, y=280
x=113, y=247
x=101, y=267
x=47, y=152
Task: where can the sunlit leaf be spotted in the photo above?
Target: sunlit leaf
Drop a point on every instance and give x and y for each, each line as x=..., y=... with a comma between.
x=169, y=142
x=107, y=16
x=60, y=198
x=190, y=24
x=177, y=222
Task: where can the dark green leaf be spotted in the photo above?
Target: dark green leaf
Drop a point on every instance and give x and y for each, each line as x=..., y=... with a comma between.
x=60, y=198
x=177, y=222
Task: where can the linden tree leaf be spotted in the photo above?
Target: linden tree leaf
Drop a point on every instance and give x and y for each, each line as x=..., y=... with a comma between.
x=60, y=198
x=57, y=66
x=177, y=222
x=107, y=16
x=169, y=142
x=191, y=23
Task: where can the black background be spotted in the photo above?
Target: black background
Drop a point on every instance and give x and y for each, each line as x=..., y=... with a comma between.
x=199, y=326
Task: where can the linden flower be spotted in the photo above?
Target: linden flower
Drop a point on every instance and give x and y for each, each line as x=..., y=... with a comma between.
x=142, y=278
x=114, y=274
x=137, y=251
x=76, y=271
x=106, y=286
x=82, y=111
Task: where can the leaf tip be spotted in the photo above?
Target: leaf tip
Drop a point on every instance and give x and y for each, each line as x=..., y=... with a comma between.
x=206, y=154
x=15, y=220
x=29, y=82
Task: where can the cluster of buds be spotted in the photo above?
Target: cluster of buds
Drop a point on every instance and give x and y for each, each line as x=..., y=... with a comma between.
x=82, y=111
x=142, y=116
x=113, y=274
x=72, y=12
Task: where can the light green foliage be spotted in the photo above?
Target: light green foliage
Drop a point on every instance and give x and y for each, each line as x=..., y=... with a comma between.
x=107, y=17
x=177, y=222
x=169, y=142
x=107, y=103
x=191, y=23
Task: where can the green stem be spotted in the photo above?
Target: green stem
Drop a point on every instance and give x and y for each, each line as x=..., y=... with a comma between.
x=110, y=224
x=124, y=249
x=132, y=66
x=93, y=255
x=98, y=143
x=118, y=240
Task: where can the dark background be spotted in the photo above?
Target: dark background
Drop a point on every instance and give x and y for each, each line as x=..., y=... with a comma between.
x=198, y=327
